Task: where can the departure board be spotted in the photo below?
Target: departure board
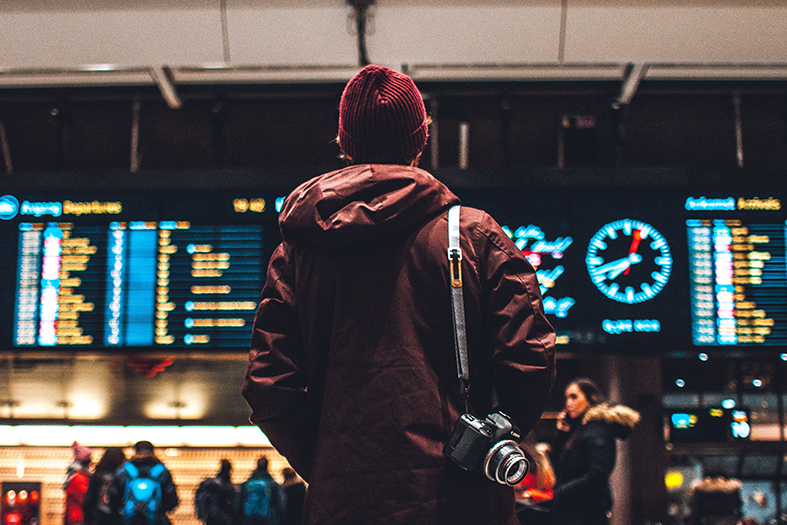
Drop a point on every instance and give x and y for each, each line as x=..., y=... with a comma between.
x=738, y=282
x=92, y=280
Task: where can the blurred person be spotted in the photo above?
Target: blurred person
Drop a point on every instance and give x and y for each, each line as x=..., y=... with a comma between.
x=537, y=485
x=353, y=371
x=215, y=497
x=584, y=454
x=295, y=491
x=534, y=493
x=143, y=491
x=715, y=500
x=76, y=484
x=262, y=501
x=96, y=507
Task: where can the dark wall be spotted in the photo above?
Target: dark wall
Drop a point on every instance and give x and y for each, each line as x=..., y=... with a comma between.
x=512, y=125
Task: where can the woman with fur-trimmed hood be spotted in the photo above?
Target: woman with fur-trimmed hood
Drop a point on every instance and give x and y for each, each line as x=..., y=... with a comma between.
x=584, y=454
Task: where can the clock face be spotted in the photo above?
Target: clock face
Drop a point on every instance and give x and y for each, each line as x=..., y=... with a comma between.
x=629, y=261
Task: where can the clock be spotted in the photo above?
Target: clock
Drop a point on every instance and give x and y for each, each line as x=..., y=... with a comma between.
x=629, y=261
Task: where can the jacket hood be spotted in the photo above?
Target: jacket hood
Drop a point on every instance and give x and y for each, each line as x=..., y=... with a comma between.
x=144, y=457
x=717, y=485
x=619, y=417
x=362, y=203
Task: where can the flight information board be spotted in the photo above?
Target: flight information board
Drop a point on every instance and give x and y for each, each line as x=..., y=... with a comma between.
x=738, y=269
x=159, y=283
x=621, y=270
x=87, y=278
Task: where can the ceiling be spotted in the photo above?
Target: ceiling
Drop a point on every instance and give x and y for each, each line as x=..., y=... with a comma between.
x=51, y=43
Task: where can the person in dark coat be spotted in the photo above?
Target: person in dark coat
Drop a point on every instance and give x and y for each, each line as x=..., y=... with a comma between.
x=215, y=499
x=716, y=501
x=262, y=501
x=295, y=490
x=144, y=459
x=352, y=372
x=96, y=507
x=584, y=454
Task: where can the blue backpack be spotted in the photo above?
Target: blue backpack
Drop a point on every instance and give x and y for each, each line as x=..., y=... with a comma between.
x=142, y=498
x=263, y=501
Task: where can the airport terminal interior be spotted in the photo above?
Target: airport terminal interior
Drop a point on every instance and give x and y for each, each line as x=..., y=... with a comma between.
x=178, y=128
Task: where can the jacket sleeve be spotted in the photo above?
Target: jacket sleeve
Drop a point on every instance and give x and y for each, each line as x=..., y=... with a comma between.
x=275, y=386
x=599, y=449
x=169, y=492
x=115, y=493
x=523, y=341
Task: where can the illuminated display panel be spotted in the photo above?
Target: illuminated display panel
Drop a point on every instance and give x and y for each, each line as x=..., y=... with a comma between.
x=620, y=269
x=708, y=425
x=608, y=264
x=738, y=272
x=134, y=271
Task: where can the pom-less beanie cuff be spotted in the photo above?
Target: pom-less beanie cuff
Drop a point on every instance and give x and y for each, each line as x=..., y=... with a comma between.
x=382, y=117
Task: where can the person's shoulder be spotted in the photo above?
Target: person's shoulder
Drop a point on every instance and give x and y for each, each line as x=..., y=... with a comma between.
x=120, y=474
x=595, y=426
x=150, y=464
x=615, y=420
x=474, y=220
x=207, y=482
x=331, y=177
x=251, y=478
x=80, y=477
x=482, y=225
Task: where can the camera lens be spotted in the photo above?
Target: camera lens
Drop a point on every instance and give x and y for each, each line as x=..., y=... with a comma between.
x=505, y=463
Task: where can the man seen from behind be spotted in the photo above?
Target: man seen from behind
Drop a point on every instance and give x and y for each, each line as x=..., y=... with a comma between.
x=143, y=491
x=353, y=371
x=262, y=500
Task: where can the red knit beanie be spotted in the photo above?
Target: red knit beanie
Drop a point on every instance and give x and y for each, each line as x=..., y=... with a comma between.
x=382, y=117
x=81, y=453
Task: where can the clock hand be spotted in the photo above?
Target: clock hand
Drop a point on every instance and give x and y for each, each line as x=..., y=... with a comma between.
x=615, y=266
x=635, y=238
x=634, y=258
x=618, y=271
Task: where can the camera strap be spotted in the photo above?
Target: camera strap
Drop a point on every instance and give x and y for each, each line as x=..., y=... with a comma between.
x=458, y=304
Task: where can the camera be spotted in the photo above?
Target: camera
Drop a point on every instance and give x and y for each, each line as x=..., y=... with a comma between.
x=488, y=446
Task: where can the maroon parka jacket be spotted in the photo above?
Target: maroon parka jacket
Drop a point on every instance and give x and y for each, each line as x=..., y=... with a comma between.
x=352, y=371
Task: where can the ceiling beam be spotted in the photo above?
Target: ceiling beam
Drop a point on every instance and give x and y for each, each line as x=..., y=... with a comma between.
x=162, y=76
x=631, y=80
x=166, y=78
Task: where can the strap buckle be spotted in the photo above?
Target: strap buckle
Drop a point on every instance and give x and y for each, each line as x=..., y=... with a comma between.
x=464, y=389
x=455, y=265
